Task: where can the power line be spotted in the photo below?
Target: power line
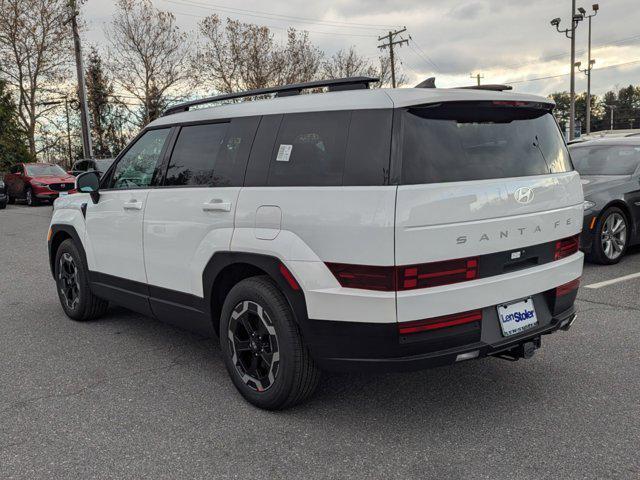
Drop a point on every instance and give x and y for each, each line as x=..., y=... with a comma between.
x=420, y=52
x=565, y=74
x=286, y=28
x=278, y=16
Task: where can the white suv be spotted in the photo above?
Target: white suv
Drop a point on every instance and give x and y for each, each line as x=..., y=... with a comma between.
x=347, y=230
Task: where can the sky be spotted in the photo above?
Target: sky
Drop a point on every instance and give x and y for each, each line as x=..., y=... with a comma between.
x=506, y=41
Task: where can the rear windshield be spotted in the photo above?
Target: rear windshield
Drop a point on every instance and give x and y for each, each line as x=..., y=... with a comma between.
x=606, y=159
x=458, y=142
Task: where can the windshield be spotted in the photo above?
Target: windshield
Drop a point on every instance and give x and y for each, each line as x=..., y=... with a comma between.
x=460, y=141
x=43, y=170
x=606, y=159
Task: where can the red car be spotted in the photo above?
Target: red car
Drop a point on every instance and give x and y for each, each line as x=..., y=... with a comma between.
x=32, y=181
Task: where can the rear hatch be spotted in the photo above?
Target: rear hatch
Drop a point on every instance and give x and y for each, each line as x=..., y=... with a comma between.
x=489, y=189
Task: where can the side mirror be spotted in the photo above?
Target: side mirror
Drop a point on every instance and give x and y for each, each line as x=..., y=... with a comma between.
x=89, y=182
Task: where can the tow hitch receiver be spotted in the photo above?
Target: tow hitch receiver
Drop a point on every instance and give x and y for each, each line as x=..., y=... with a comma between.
x=523, y=350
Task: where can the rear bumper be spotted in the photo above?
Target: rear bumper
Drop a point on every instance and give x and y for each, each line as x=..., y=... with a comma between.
x=352, y=346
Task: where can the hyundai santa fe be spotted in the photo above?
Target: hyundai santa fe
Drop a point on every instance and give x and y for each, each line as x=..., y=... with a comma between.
x=353, y=229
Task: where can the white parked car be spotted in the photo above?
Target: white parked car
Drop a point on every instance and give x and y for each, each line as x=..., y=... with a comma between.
x=357, y=229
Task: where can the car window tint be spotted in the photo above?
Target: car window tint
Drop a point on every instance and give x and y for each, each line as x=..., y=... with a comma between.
x=368, y=148
x=194, y=157
x=459, y=142
x=136, y=168
x=310, y=149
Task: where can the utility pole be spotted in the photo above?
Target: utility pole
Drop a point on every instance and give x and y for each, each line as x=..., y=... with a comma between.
x=478, y=77
x=87, y=147
x=66, y=108
x=570, y=33
x=611, y=108
x=390, y=37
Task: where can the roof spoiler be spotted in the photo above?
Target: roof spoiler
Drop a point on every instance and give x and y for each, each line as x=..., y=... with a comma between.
x=334, y=85
x=431, y=83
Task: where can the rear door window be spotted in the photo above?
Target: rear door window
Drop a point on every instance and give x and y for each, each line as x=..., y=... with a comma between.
x=213, y=155
x=458, y=142
x=310, y=149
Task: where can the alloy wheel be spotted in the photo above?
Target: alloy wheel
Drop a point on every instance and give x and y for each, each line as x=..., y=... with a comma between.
x=254, y=345
x=614, y=236
x=29, y=194
x=68, y=281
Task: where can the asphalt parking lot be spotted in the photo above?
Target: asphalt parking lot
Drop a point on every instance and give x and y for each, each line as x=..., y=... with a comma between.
x=129, y=397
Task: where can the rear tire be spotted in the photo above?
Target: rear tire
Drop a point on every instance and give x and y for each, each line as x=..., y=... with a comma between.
x=72, y=284
x=611, y=237
x=257, y=328
x=3, y=205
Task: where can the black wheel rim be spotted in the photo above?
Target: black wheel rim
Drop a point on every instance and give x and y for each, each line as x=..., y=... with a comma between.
x=253, y=344
x=68, y=281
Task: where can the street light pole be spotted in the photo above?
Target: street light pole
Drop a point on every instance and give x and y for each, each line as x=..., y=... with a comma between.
x=570, y=33
x=611, y=108
x=590, y=63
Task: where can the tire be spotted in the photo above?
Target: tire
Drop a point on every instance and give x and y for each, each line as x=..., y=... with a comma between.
x=292, y=375
x=3, y=205
x=11, y=200
x=611, y=237
x=70, y=267
x=30, y=198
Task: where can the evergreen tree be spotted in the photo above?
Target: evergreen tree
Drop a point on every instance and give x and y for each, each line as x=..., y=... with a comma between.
x=13, y=141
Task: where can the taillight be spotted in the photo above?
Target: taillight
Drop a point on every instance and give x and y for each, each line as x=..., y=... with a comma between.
x=408, y=277
x=567, y=288
x=364, y=276
x=439, y=322
x=567, y=247
x=511, y=103
x=437, y=273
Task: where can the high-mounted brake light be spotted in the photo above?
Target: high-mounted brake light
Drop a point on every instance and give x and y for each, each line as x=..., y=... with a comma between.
x=567, y=288
x=510, y=103
x=567, y=246
x=437, y=323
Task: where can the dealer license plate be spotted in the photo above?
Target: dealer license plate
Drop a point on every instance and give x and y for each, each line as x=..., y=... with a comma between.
x=517, y=317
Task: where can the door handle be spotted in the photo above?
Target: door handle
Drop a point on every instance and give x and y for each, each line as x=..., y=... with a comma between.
x=216, y=205
x=132, y=205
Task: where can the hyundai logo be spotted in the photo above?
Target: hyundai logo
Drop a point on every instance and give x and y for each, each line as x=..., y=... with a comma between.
x=523, y=195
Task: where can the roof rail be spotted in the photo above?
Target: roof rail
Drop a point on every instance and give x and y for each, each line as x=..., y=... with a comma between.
x=492, y=87
x=334, y=85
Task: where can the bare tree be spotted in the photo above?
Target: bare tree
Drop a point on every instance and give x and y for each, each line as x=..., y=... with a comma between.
x=348, y=63
x=34, y=56
x=241, y=56
x=147, y=54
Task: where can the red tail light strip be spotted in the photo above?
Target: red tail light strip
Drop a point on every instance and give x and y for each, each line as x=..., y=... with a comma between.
x=567, y=247
x=439, y=322
x=288, y=276
x=567, y=288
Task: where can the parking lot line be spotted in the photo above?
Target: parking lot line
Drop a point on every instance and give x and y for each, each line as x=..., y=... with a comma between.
x=613, y=280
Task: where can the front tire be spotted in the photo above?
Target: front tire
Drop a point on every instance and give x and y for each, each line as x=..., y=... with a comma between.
x=611, y=237
x=30, y=198
x=3, y=205
x=262, y=347
x=72, y=283
x=11, y=199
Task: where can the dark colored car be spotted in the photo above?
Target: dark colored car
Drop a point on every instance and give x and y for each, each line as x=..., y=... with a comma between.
x=3, y=195
x=32, y=182
x=100, y=165
x=610, y=172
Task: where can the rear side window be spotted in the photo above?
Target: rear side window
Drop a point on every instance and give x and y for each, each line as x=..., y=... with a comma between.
x=458, y=142
x=310, y=149
x=368, y=148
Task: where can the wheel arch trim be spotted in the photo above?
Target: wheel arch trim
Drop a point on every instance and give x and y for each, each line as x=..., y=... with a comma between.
x=60, y=232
